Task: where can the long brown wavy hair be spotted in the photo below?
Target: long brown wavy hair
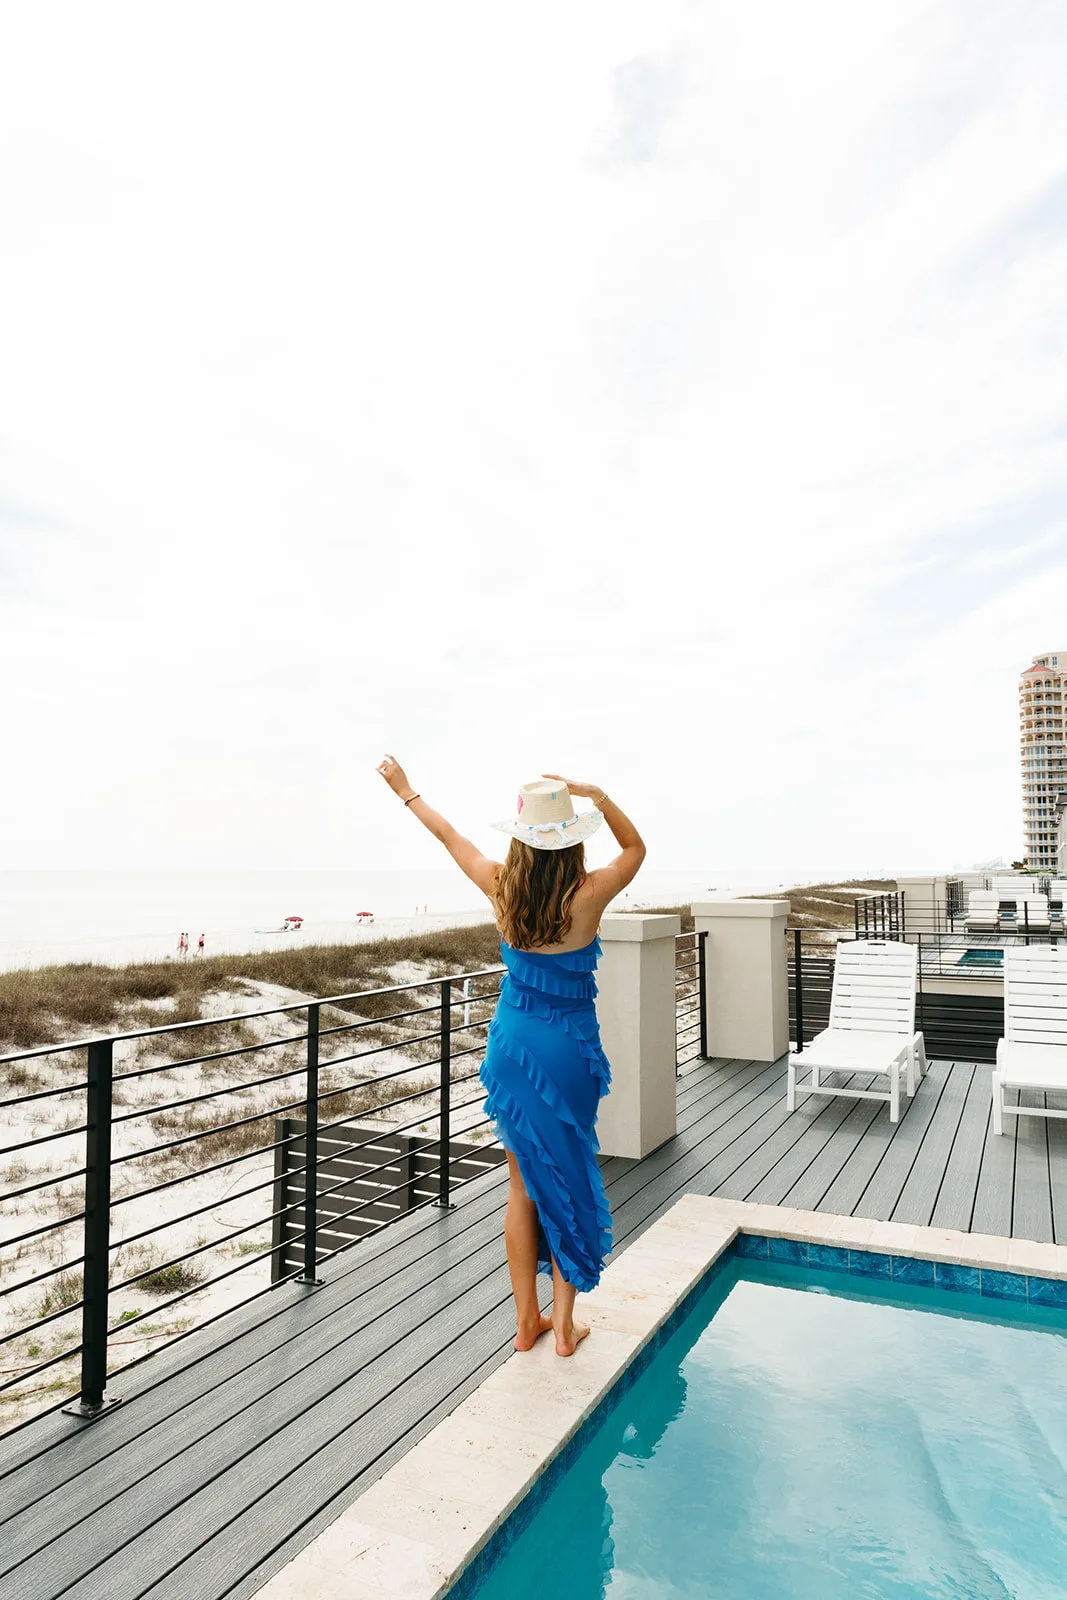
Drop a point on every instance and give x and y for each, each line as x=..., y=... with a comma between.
x=534, y=891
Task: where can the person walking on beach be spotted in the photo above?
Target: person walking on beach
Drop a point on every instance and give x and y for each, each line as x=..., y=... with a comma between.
x=183, y=945
x=544, y=1070
x=200, y=945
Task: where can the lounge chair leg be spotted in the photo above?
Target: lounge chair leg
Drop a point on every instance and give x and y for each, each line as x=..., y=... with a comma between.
x=894, y=1092
x=998, y=1104
x=910, y=1059
x=791, y=1086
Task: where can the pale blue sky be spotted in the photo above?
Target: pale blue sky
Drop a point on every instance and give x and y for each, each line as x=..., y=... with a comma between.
x=669, y=393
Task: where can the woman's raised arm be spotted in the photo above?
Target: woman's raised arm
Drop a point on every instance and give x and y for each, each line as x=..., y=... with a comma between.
x=479, y=869
x=610, y=880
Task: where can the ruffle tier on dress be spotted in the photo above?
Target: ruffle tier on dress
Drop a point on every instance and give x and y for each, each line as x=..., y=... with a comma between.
x=544, y=1074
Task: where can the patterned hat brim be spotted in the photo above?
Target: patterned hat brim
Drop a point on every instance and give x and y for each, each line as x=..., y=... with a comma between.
x=553, y=835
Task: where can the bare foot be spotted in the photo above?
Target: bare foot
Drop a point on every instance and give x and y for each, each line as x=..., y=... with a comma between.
x=567, y=1339
x=530, y=1332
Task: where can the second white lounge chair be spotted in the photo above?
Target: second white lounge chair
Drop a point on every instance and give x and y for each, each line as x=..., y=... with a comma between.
x=1033, y=1051
x=982, y=912
x=872, y=1025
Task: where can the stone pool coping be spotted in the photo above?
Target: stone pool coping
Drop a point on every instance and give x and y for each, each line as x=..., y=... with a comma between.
x=405, y=1539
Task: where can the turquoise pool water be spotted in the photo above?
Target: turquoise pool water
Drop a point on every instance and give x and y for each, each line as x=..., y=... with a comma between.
x=802, y=1437
x=981, y=958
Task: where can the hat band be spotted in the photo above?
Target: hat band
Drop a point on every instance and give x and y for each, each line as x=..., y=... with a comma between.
x=556, y=827
x=549, y=827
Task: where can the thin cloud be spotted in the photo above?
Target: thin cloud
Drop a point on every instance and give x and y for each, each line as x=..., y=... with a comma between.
x=647, y=92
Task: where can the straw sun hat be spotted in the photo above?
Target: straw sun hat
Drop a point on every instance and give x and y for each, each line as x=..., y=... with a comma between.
x=547, y=818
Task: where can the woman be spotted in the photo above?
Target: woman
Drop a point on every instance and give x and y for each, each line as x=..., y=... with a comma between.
x=544, y=1070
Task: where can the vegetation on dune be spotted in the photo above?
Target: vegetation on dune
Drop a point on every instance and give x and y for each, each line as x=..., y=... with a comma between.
x=827, y=905
x=44, y=1005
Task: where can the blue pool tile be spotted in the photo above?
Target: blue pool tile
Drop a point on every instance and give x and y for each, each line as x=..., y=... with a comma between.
x=869, y=1264
x=752, y=1244
x=1003, y=1285
x=794, y=1250
x=1048, y=1292
x=909, y=1269
x=828, y=1256
x=964, y=1280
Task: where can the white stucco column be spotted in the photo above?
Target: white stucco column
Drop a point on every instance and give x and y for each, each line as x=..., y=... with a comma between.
x=925, y=904
x=747, y=982
x=636, y=1010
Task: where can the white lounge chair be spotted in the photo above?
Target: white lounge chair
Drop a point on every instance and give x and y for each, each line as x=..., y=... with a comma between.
x=1033, y=1051
x=1033, y=913
x=872, y=1025
x=982, y=912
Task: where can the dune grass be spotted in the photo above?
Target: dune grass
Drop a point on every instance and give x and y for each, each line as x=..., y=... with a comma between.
x=44, y=1005
x=828, y=905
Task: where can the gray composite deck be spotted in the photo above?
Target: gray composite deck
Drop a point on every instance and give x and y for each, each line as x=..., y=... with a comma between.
x=234, y=1448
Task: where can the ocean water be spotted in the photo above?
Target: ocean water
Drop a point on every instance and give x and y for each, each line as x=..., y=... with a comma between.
x=797, y=1441
x=134, y=916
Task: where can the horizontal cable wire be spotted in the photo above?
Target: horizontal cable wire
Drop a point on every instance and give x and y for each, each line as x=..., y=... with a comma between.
x=39, y=1277
x=45, y=1227
x=32, y=1372
x=215, y=1055
x=42, y=1322
x=43, y=1183
x=42, y=1094
x=42, y=1138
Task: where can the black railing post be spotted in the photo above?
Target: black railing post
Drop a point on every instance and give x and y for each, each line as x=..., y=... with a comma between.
x=798, y=989
x=311, y=1153
x=1026, y=921
x=903, y=915
x=702, y=976
x=866, y=924
x=445, y=1114
x=92, y=1402
x=856, y=918
x=919, y=970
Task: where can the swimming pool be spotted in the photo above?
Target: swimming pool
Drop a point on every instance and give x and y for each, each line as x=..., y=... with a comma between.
x=814, y=1434
x=981, y=958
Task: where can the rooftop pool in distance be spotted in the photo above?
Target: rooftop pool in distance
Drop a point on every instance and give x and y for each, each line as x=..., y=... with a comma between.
x=981, y=958
x=805, y=1435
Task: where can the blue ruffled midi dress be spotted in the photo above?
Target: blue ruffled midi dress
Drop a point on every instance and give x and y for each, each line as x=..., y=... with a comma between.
x=544, y=1073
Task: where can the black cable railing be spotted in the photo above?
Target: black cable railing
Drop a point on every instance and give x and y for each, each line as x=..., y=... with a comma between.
x=880, y=916
x=690, y=999
x=85, y=1284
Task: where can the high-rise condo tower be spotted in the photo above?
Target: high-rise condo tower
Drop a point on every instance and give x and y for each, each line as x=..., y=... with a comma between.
x=1042, y=691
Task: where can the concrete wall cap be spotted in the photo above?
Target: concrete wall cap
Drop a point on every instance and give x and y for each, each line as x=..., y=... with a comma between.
x=636, y=926
x=741, y=908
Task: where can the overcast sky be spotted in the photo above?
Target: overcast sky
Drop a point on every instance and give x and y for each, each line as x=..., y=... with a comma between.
x=668, y=394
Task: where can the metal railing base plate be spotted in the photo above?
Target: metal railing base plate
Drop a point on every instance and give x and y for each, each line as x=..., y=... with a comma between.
x=87, y=1413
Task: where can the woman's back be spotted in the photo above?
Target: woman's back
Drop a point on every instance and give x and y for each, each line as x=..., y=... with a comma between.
x=586, y=910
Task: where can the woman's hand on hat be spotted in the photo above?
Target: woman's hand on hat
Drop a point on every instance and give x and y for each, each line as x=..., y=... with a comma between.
x=394, y=775
x=585, y=791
